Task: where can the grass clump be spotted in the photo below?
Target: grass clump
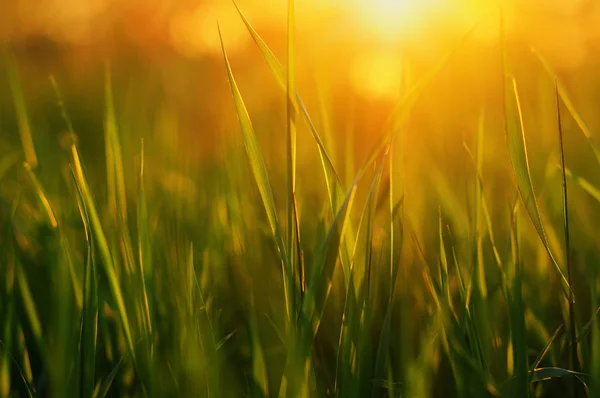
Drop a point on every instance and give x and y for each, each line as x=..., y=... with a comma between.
x=114, y=283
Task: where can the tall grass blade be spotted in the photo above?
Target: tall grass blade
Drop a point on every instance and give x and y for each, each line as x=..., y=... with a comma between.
x=297, y=274
x=103, y=248
x=332, y=179
x=564, y=96
x=565, y=202
x=89, y=317
x=520, y=164
x=21, y=109
x=259, y=171
x=557, y=333
x=517, y=317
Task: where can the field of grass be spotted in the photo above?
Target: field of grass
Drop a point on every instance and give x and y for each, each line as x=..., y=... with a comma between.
x=298, y=264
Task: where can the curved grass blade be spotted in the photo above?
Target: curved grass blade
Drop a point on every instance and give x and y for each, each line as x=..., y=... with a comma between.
x=566, y=99
x=261, y=178
x=334, y=184
x=297, y=276
x=565, y=200
x=103, y=248
x=520, y=164
x=320, y=281
x=542, y=374
x=104, y=388
x=89, y=316
x=21, y=109
x=557, y=333
x=517, y=315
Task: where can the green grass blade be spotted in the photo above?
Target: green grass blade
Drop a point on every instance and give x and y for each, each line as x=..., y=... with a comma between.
x=565, y=203
x=144, y=244
x=261, y=178
x=335, y=188
x=320, y=281
x=517, y=317
x=564, y=96
x=114, y=156
x=89, y=317
x=103, y=248
x=21, y=109
x=295, y=279
x=520, y=164
x=104, y=388
x=557, y=333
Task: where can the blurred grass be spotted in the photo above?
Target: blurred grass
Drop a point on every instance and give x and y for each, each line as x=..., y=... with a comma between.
x=130, y=268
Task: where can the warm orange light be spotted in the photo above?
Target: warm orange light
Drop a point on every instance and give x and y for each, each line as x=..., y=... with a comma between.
x=377, y=75
x=393, y=19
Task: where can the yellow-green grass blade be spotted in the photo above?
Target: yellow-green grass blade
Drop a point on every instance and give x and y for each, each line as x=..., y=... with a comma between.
x=566, y=99
x=103, y=248
x=320, y=282
x=543, y=374
x=383, y=358
x=557, y=333
x=295, y=281
x=362, y=256
x=520, y=164
x=89, y=316
x=114, y=156
x=144, y=243
x=334, y=185
x=565, y=203
x=517, y=317
x=584, y=184
x=50, y=219
x=7, y=317
x=117, y=197
x=365, y=278
x=261, y=178
x=21, y=109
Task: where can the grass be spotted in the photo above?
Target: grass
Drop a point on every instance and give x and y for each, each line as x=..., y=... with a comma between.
x=109, y=290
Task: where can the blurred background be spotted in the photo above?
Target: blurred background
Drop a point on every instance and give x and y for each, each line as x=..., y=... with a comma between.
x=353, y=58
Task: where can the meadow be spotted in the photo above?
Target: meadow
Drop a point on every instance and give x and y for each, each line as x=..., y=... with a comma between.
x=443, y=244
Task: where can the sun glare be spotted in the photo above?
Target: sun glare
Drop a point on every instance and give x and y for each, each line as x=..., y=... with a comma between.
x=390, y=19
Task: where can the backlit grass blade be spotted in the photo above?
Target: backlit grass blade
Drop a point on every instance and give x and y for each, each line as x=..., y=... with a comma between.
x=144, y=243
x=21, y=109
x=565, y=203
x=520, y=164
x=322, y=272
x=293, y=222
x=566, y=99
x=259, y=171
x=587, y=186
x=89, y=317
x=103, y=248
x=332, y=179
x=557, y=333
x=114, y=156
x=517, y=317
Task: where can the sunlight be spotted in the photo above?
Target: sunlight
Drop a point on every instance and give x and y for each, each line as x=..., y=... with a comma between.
x=389, y=19
x=377, y=76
